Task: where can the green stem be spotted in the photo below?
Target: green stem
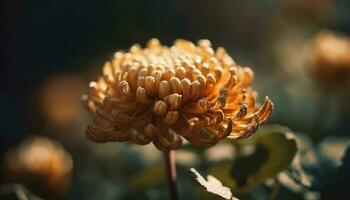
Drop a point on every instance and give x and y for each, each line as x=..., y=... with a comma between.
x=170, y=166
x=275, y=190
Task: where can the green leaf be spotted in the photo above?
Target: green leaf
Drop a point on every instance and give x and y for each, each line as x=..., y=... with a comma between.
x=150, y=177
x=275, y=147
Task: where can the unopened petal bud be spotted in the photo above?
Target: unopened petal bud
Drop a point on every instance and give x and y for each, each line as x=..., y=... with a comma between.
x=195, y=89
x=186, y=89
x=141, y=95
x=171, y=117
x=149, y=85
x=150, y=131
x=174, y=100
x=124, y=87
x=175, y=85
x=204, y=43
x=164, y=89
x=160, y=108
x=157, y=74
x=180, y=72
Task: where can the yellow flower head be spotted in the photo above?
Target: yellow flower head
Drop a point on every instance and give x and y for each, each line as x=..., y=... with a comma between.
x=162, y=94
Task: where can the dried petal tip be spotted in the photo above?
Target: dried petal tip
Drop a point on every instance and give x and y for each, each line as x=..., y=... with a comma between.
x=163, y=94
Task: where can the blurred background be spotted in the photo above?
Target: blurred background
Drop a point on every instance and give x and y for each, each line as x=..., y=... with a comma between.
x=53, y=49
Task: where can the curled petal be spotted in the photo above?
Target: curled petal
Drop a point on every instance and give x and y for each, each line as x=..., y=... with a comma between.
x=265, y=111
x=119, y=104
x=198, y=107
x=166, y=139
x=243, y=110
x=220, y=131
x=246, y=130
x=198, y=140
x=123, y=118
x=150, y=131
x=140, y=138
x=93, y=132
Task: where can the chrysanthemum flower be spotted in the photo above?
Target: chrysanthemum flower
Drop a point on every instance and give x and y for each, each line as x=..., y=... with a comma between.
x=41, y=164
x=162, y=94
x=330, y=59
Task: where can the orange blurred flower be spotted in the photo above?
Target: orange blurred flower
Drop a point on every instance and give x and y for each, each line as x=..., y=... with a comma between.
x=60, y=99
x=330, y=59
x=40, y=164
x=160, y=94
